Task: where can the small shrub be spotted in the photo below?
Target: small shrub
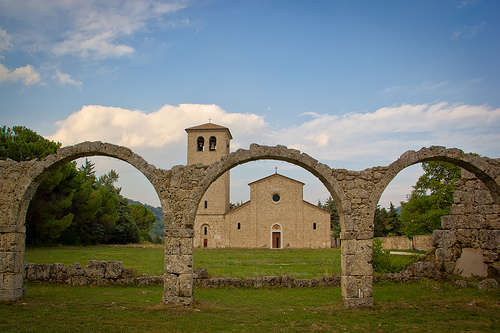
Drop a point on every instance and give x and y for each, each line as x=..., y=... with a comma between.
x=383, y=262
x=381, y=259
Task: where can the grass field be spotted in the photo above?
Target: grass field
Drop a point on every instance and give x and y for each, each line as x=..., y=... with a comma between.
x=424, y=306
x=299, y=263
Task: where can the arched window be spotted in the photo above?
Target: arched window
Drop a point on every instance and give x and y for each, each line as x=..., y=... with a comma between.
x=200, y=143
x=205, y=230
x=239, y=225
x=212, y=142
x=206, y=204
x=314, y=226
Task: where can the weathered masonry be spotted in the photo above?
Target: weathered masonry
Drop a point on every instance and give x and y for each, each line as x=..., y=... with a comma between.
x=181, y=189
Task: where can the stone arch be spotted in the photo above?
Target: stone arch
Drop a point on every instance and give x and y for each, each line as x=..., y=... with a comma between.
x=282, y=153
x=84, y=149
x=481, y=167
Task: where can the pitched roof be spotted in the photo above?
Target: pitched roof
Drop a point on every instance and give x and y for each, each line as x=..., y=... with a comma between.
x=274, y=175
x=209, y=127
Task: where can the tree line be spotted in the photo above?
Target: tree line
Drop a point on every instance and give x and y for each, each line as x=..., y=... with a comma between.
x=431, y=198
x=72, y=205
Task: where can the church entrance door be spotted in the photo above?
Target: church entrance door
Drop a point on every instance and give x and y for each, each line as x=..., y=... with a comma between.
x=276, y=240
x=205, y=242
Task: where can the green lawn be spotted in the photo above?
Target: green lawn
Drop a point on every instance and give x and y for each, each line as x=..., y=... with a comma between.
x=424, y=306
x=299, y=263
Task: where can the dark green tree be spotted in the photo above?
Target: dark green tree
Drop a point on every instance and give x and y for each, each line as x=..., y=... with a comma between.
x=430, y=199
x=144, y=219
x=330, y=207
x=21, y=144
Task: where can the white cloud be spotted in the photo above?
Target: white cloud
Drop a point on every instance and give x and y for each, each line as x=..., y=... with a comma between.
x=5, y=42
x=93, y=28
x=136, y=129
x=26, y=74
x=65, y=78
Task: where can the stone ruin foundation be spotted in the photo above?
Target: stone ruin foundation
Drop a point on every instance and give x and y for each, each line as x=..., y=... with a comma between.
x=472, y=224
x=469, y=242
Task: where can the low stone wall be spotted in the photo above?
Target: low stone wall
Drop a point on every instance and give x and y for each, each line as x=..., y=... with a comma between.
x=396, y=243
x=423, y=242
x=96, y=273
x=417, y=242
x=283, y=281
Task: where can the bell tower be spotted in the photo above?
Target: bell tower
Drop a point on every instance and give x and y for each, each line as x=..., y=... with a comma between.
x=207, y=143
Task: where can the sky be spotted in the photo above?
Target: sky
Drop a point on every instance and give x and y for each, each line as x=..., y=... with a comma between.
x=354, y=84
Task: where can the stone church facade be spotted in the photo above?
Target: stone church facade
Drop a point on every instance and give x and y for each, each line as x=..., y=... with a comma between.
x=276, y=216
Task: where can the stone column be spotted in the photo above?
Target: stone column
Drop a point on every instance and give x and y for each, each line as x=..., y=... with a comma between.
x=12, y=231
x=11, y=262
x=178, y=279
x=357, y=273
x=179, y=202
x=357, y=240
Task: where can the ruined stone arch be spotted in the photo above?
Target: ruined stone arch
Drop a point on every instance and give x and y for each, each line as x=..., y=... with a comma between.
x=482, y=167
x=84, y=149
x=282, y=153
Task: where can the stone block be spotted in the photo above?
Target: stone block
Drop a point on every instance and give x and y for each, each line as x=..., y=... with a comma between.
x=471, y=263
x=176, y=300
x=113, y=269
x=12, y=242
x=172, y=246
x=170, y=285
x=11, y=281
x=179, y=264
x=59, y=272
x=443, y=254
x=467, y=237
x=354, y=303
x=78, y=280
x=461, y=283
x=490, y=256
x=271, y=281
x=457, y=209
x=357, y=264
x=488, y=284
x=178, y=233
x=186, y=246
x=186, y=285
x=96, y=269
x=357, y=286
x=75, y=270
x=489, y=239
x=11, y=295
x=492, y=221
x=443, y=238
x=482, y=197
x=11, y=262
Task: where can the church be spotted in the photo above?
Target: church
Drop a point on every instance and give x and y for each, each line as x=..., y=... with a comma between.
x=276, y=216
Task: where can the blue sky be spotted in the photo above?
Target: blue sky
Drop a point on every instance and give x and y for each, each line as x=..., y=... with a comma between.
x=352, y=83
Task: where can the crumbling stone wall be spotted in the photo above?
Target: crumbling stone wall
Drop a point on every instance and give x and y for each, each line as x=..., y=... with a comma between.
x=473, y=223
x=180, y=189
x=97, y=273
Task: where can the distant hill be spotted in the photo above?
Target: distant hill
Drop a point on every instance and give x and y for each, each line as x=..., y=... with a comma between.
x=157, y=228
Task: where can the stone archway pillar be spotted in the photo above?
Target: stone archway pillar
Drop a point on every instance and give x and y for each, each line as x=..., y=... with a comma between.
x=178, y=278
x=13, y=182
x=179, y=204
x=357, y=239
x=357, y=273
x=11, y=262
